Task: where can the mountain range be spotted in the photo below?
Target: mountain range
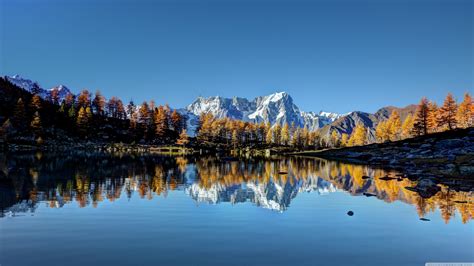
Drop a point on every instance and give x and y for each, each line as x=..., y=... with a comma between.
x=276, y=108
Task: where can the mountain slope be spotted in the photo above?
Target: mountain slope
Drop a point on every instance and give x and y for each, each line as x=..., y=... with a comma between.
x=276, y=108
x=35, y=88
x=347, y=123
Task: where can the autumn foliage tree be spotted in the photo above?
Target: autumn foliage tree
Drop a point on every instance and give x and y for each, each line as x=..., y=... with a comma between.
x=359, y=136
x=465, y=113
x=98, y=104
x=183, y=139
x=407, y=127
x=447, y=113
x=432, y=119
x=161, y=123
x=421, y=124
x=35, y=124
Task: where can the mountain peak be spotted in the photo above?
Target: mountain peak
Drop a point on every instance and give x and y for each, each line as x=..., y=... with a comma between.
x=276, y=108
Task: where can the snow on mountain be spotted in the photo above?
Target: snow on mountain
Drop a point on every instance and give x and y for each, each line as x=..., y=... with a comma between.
x=62, y=91
x=271, y=195
x=235, y=108
x=28, y=85
x=192, y=121
x=34, y=87
x=276, y=108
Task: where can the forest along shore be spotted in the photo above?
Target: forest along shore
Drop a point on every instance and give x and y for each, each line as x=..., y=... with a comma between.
x=442, y=155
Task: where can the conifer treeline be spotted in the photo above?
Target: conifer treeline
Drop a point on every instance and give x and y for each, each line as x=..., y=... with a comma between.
x=429, y=118
x=238, y=133
x=92, y=117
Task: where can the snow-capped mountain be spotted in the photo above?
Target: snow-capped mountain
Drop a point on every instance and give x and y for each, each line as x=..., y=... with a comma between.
x=35, y=88
x=271, y=195
x=276, y=108
x=62, y=91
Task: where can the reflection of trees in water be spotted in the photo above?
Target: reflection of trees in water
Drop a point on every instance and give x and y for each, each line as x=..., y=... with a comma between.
x=90, y=179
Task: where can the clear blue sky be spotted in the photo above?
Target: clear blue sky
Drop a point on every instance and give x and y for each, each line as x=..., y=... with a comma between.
x=333, y=55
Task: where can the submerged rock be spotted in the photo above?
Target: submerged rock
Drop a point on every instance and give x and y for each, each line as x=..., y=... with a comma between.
x=427, y=188
x=369, y=194
x=387, y=178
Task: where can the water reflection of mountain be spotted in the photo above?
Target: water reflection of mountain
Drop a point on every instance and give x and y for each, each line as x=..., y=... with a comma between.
x=269, y=195
x=27, y=180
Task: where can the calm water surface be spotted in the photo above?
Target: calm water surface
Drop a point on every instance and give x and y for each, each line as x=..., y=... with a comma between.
x=64, y=209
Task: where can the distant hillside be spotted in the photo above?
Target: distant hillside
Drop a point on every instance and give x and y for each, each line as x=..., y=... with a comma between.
x=346, y=124
x=276, y=108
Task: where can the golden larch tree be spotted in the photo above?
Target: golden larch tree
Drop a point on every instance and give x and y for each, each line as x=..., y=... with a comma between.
x=176, y=121
x=432, y=122
x=407, y=127
x=161, y=122
x=344, y=139
x=84, y=98
x=394, y=126
x=98, y=103
x=36, y=123
x=359, y=136
x=183, y=139
x=277, y=134
x=447, y=113
x=465, y=113
x=382, y=131
x=334, y=138
x=35, y=103
x=420, y=125
x=82, y=120
x=285, y=134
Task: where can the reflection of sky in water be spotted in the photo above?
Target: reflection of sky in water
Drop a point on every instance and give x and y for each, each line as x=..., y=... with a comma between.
x=268, y=184
x=192, y=212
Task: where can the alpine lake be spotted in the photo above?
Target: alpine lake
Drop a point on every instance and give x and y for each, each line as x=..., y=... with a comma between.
x=99, y=209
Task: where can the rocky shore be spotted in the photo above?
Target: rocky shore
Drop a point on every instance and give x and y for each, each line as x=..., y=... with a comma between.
x=54, y=146
x=447, y=154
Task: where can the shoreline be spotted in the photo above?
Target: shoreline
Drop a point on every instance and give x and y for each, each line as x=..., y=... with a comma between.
x=447, y=154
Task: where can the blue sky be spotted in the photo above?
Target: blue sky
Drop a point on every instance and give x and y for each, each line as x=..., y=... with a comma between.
x=337, y=56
